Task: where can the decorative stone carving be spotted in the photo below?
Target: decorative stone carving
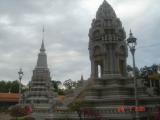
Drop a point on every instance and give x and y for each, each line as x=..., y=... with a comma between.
x=106, y=34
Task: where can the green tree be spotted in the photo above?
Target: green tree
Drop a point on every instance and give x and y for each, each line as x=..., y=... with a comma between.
x=129, y=68
x=3, y=87
x=57, y=89
x=56, y=85
x=61, y=92
x=10, y=86
x=15, y=87
x=76, y=106
x=68, y=84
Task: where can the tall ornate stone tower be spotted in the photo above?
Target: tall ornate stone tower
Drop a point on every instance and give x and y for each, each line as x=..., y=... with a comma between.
x=40, y=94
x=109, y=87
x=107, y=47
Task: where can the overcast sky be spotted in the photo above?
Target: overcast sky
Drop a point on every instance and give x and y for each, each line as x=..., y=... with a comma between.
x=66, y=34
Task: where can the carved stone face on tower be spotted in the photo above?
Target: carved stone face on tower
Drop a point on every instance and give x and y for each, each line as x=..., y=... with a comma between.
x=107, y=46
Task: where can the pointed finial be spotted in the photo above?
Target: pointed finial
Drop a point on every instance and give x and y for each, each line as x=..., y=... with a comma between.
x=105, y=2
x=42, y=45
x=43, y=33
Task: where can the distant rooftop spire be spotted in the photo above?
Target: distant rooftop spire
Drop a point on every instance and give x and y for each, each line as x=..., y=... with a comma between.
x=82, y=77
x=131, y=34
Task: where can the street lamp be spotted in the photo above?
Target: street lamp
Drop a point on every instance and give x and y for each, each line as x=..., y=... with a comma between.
x=20, y=73
x=131, y=42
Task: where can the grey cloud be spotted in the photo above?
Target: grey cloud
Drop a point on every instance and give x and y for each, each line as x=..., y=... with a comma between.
x=66, y=36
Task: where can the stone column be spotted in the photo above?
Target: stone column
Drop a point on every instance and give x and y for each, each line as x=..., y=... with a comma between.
x=102, y=69
x=96, y=71
x=105, y=66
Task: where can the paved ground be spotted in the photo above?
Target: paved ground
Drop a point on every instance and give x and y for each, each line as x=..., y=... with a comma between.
x=4, y=116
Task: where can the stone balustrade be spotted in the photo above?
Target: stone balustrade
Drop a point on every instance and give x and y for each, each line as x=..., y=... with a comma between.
x=104, y=112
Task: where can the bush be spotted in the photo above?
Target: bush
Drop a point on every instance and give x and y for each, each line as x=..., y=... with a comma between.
x=20, y=111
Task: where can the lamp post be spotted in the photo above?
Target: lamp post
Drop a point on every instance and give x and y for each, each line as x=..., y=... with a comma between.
x=131, y=42
x=20, y=73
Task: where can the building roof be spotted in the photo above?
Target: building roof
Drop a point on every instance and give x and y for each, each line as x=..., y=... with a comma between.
x=9, y=97
x=154, y=77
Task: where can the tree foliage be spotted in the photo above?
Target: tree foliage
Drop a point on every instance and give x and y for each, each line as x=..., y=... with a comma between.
x=82, y=111
x=76, y=106
x=9, y=86
x=57, y=89
x=130, y=69
x=148, y=70
x=69, y=84
x=56, y=84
